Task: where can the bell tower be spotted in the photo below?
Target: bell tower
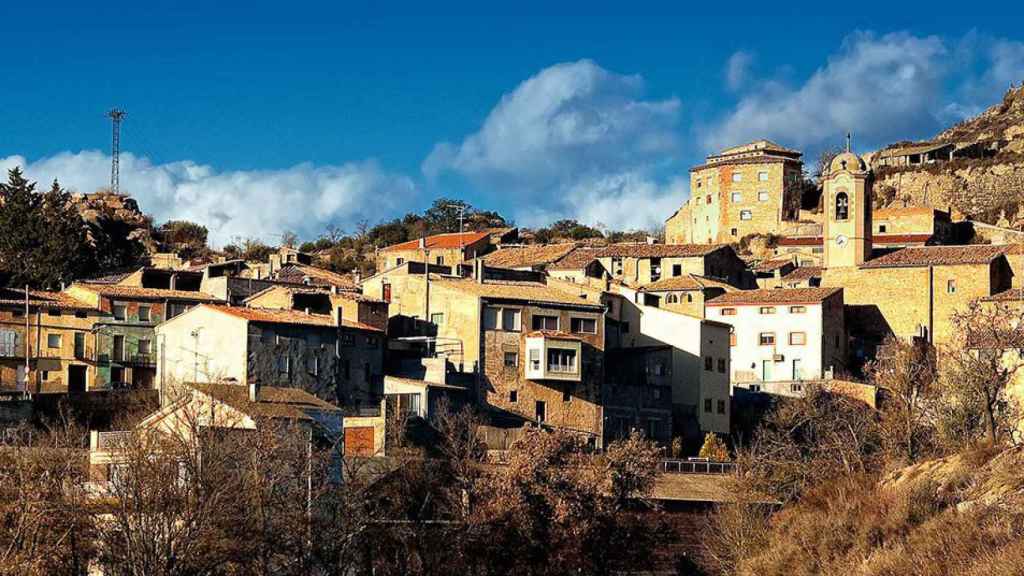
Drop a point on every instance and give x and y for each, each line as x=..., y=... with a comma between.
x=847, y=197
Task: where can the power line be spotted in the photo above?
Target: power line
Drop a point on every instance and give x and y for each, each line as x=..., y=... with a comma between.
x=115, y=116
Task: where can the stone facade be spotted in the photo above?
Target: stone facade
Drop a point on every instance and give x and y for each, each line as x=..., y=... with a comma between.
x=750, y=189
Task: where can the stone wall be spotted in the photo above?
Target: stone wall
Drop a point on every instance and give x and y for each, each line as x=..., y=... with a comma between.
x=978, y=188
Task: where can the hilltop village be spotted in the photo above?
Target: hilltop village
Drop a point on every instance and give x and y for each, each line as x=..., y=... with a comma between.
x=667, y=339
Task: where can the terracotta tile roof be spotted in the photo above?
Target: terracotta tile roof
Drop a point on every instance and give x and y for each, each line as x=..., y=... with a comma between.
x=644, y=250
x=41, y=299
x=515, y=291
x=897, y=211
x=577, y=259
x=774, y=296
x=773, y=264
x=290, y=317
x=271, y=401
x=1008, y=295
x=302, y=289
x=299, y=273
x=118, y=291
x=762, y=145
x=937, y=256
x=801, y=241
x=876, y=239
x=527, y=256
x=440, y=241
x=685, y=282
x=804, y=273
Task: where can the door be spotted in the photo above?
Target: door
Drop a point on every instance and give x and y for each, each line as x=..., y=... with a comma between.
x=798, y=370
x=22, y=378
x=387, y=292
x=76, y=378
x=767, y=370
x=118, y=351
x=79, y=345
x=541, y=411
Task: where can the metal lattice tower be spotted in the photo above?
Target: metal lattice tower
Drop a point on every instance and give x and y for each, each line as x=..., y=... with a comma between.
x=115, y=116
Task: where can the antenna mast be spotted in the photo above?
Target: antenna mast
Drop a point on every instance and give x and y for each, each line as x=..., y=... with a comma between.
x=115, y=116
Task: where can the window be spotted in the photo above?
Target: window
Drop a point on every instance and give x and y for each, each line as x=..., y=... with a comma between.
x=951, y=286
x=534, y=359
x=733, y=232
x=53, y=340
x=721, y=406
x=562, y=361
x=315, y=368
x=346, y=339
x=728, y=311
x=737, y=177
x=698, y=182
x=677, y=269
x=540, y=411
x=507, y=319
x=120, y=311
x=543, y=322
x=176, y=309
x=842, y=206
x=671, y=299
x=732, y=339
x=881, y=228
x=617, y=265
x=284, y=365
x=439, y=260
x=721, y=365
x=399, y=261
x=17, y=313
x=762, y=176
x=797, y=338
x=708, y=199
x=584, y=326
x=689, y=297
x=762, y=196
x=513, y=396
x=566, y=395
x=767, y=310
x=511, y=359
x=145, y=347
x=81, y=314
x=53, y=312
x=746, y=215
x=737, y=197
x=437, y=318
x=797, y=309
x=766, y=338
x=707, y=405
x=708, y=363
x=145, y=313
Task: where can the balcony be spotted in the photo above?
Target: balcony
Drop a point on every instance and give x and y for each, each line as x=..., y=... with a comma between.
x=11, y=350
x=139, y=361
x=553, y=357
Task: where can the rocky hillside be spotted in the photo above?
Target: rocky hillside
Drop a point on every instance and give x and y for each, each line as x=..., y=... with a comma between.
x=984, y=180
x=112, y=217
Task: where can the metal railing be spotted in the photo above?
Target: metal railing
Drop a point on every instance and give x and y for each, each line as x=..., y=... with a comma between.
x=679, y=466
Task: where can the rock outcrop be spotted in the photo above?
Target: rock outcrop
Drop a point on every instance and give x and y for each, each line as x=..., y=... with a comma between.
x=105, y=210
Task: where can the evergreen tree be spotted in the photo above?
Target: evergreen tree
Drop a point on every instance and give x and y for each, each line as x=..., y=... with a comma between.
x=66, y=252
x=21, y=228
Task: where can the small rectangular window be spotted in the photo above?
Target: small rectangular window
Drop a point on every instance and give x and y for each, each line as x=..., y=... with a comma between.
x=543, y=322
x=767, y=309
x=566, y=395
x=721, y=406
x=728, y=311
x=491, y=318
x=736, y=197
x=534, y=359
x=737, y=177
x=766, y=338
x=881, y=228
x=732, y=339
x=733, y=232
x=584, y=326
x=120, y=311
x=797, y=309
x=762, y=176
x=951, y=286
x=144, y=313
x=53, y=312
x=437, y=318
x=511, y=359
x=439, y=260
x=510, y=319
x=677, y=269
x=721, y=365
x=145, y=347
x=53, y=340
x=562, y=361
x=513, y=396
x=762, y=196
x=707, y=405
x=81, y=314
x=797, y=338
x=746, y=215
x=708, y=363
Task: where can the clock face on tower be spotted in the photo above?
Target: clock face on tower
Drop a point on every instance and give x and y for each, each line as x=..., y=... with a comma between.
x=841, y=240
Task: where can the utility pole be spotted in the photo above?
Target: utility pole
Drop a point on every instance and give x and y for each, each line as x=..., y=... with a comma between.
x=116, y=116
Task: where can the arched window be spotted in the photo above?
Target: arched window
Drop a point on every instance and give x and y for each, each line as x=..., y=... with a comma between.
x=842, y=206
x=672, y=299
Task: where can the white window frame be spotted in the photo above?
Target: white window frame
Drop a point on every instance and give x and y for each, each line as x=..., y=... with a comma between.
x=746, y=215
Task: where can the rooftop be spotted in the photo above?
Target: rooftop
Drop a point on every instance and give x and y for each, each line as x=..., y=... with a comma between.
x=440, y=241
x=922, y=148
x=527, y=256
x=289, y=317
x=516, y=291
x=644, y=250
x=271, y=401
x=775, y=296
x=119, y=291
x=41, y=299
x=299, y=273
x=685, y=282
x=576, y=259
x=937, y=256
x=804, y=273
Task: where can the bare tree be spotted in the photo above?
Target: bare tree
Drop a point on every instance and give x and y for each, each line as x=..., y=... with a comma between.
x=905, y=372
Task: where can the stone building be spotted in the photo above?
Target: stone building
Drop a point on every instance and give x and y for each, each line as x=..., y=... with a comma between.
x=686, y=294
x=638, y=264
x=748, y=189
x=783, y=334
x=125, y=348
x=441, y=249
x=578, y=266
x=59, y=347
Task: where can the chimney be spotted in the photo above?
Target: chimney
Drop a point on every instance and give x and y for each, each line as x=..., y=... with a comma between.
x=357, y=276
x=423, y=243
x=650, y=239
x=307, y=310
x=478, y=271
x=254, y=391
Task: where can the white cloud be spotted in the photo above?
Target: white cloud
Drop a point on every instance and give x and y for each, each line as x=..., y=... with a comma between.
x=572, y=141
x=887, y=88
x=737, y=70
x=263, y=203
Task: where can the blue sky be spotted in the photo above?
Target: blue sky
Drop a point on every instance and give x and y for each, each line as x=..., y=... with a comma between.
x=267, y=116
